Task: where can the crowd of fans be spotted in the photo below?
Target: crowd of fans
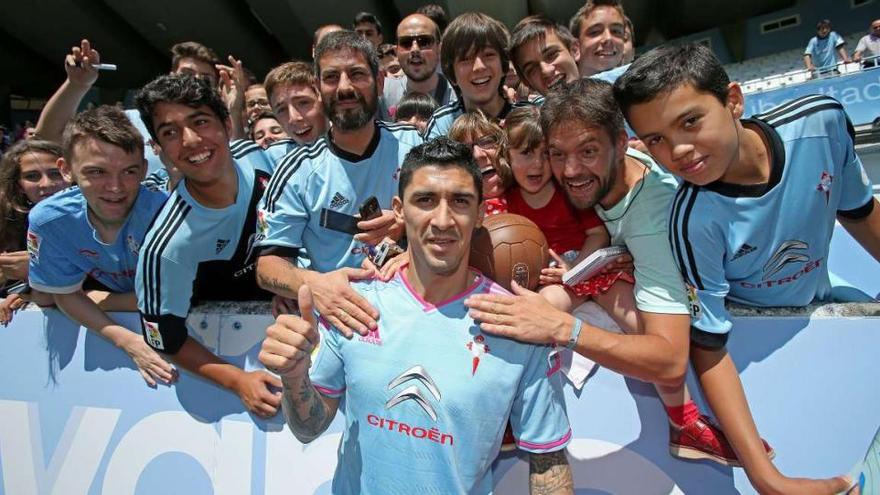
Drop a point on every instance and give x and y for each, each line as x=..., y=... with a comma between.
x=285, y=189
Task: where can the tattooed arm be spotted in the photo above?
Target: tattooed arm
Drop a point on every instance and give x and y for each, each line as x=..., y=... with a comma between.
x=550, y=474
x=308, y=413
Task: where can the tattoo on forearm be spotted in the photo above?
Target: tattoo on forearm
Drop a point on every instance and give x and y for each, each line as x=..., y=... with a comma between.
x=306, y=413
x=275, y=285
x=550, y=474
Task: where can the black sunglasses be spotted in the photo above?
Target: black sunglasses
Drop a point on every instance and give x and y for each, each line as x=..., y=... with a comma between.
x=424, y=41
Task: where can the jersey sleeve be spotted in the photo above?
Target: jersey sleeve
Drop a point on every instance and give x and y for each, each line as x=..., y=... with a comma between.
x=862, y=45
x=538, y=416
x=811, y=47
x=164, y=290
x=699, y=250
x=838, y=40
x=328, y=370
x=856, y=199
x=283, y=213
x=50, y=269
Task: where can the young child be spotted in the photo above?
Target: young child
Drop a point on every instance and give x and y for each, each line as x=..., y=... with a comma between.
x=572, y=234
x=486, y=138
x=415, y=109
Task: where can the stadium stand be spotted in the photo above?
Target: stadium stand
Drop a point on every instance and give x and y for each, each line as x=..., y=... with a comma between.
x=782, y=69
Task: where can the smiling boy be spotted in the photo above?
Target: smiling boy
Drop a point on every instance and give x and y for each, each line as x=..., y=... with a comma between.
x=733, y=228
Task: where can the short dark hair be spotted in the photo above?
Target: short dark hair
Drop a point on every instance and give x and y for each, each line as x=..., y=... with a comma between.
x=436, y=13
x=105, y=123
x=537, y=27
x=177, y=88
x=415, y=104
x=369, y=18
x=261, y=116
x=192, y=49
x=824, y=23
x=296, y=72
x=468, y=33
x=346, y=40
x=575, y=24
x=668, y=67
x=444, y=153
x=587, y=101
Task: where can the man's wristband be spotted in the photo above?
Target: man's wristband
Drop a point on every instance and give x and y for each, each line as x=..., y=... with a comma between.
x=575, y=333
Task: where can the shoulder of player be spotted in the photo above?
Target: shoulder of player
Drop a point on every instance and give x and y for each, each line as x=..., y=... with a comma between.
x=164, y=237
x=808, y=109
x=401, y=132
x=690, y=216
x=61, y=205
x=447, y=112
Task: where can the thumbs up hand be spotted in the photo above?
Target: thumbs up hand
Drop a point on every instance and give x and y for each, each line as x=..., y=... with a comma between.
x=290, y=340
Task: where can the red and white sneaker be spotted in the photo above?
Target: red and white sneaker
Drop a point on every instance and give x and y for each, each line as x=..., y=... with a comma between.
x=702, y=439
x=508, y=443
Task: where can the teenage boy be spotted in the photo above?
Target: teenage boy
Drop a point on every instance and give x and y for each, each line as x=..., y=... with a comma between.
x=734, y=229
x=474, y=58
x=544, y=53
x=296, y=101
x=93, y=232
x=200, y=244
x=600, y=28
x=314, y=197
x=446, y=429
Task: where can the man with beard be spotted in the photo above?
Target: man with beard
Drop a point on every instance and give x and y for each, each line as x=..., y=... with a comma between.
x=448, y=429
x=313, y=199
x=418, y=52
x=587, y=146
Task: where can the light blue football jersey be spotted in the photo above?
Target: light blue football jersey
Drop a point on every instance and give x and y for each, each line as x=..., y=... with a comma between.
x=65, y=249
x=443, y=118
x=427, y=395
x=316, y=191
x=767, y=245
x=195, y=253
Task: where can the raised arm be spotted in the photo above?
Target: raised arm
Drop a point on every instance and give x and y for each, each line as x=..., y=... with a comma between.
x=61, y=107
x=287, y=350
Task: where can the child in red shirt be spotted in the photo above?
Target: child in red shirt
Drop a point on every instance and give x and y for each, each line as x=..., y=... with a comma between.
x=572, y=234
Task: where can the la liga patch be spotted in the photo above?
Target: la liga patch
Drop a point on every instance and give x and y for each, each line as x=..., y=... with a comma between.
x=33, y=246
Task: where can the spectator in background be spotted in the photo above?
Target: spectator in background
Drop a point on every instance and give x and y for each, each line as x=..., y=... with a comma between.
x=629, y=51
x=388, y=63
x=256, y=101
x=418, y=50
x=822, y=51
x=368, y=26
x=266, y=130
x=28, y=174
x=415, y=109
x=544, y=53
x=5, y=140
x=435, y=13
x=324, y=31
x=190, y=57
x=296, y=101
x=474, y=57
x=600, y=28
x=869, y=46
x=30, y=132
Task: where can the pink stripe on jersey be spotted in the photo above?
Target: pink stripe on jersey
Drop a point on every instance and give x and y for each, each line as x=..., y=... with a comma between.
x=426, y=306
x=328, y=391
x=556, y=360
x=545, y=446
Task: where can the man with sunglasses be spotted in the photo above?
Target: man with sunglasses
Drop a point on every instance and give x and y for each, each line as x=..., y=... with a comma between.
x=418, y=52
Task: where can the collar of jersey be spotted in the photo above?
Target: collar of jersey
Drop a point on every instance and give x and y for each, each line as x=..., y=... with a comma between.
x=427, y=306
x=243, y=195
x=351, y=157
x=777, y=167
